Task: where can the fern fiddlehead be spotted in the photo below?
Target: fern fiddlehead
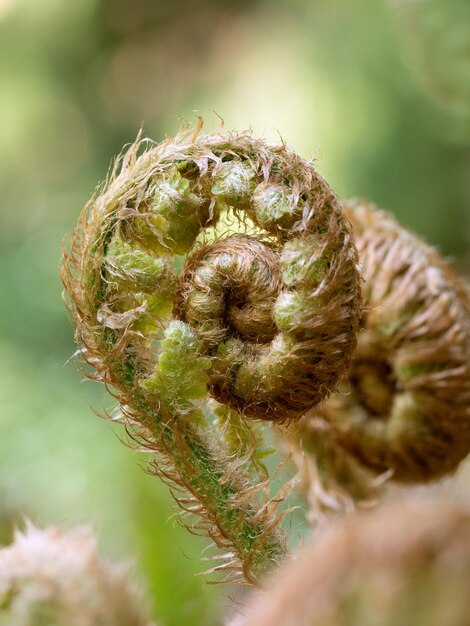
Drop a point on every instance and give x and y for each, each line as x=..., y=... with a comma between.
x=215, y=267
x=407, y=562
x=52, y=578
x=405, y=405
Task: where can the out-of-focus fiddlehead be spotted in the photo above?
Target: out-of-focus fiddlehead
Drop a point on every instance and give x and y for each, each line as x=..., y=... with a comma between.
x=407, y=562
x=330, y=480
x=52, y=578
x=215, y=267
x=404, y=407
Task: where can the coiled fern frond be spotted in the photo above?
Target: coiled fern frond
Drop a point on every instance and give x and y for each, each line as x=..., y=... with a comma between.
x=54, y=578
x=213, y=282
x=404, y=407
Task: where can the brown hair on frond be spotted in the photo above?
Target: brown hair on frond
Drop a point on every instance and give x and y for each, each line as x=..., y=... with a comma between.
x=215, y=267
x=407, y=562
x=405, y=405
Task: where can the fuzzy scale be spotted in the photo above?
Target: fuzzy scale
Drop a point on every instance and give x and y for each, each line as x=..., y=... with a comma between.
x=215, y=266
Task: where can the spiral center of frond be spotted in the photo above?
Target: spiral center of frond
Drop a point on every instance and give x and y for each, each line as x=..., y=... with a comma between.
x=372, y=379
x=228, y=291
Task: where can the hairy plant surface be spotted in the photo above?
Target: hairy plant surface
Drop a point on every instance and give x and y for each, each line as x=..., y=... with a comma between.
x=405, y=563
x=213, y=283
x=331, y=481
x=52, y=578
x=405, y=404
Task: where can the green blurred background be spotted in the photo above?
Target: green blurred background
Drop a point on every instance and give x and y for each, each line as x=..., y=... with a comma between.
x=378, y=92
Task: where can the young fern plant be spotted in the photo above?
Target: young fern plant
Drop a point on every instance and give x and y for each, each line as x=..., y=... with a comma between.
x=213, y=282
x=54, y=578
x=403, y=410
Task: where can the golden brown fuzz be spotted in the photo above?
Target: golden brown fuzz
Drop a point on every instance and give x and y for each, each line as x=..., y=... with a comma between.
x=407, y=563
x=405, y=406
x=215, y=267
x=330, y=480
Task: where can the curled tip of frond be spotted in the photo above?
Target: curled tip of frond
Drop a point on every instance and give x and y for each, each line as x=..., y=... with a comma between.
x=54, y=577
x=220, y=266
x=405, y=405
x=276, y=306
